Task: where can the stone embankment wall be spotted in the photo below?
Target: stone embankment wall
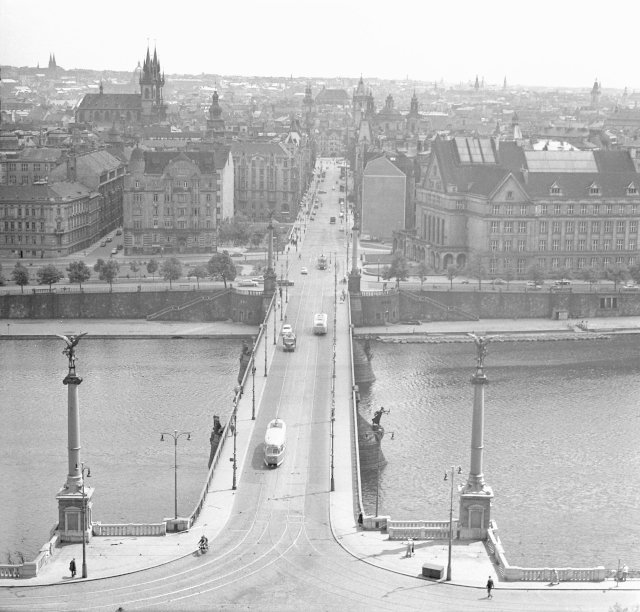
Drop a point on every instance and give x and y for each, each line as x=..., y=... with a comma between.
x=374, y=308
x=216, y=305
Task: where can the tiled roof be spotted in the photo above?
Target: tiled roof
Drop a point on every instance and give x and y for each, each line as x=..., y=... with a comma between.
x=157, y=161
x=54, y=193
x=332, y=96
x=111, y=102
x=382, y=166
x=259, y=148
x=39, y=154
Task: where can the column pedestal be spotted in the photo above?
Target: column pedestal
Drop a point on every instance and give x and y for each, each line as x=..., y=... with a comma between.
x=475, y=514
x=70, y=506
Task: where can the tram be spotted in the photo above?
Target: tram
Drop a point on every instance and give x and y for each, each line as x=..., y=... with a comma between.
x=275, y=442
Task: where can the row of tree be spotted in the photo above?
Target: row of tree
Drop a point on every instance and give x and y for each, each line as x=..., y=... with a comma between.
x=220, y=266
x=400, y=269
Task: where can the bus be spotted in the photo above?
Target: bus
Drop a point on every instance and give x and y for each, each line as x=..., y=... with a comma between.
x=275, y=442
x=320, y=324
x=322, y=262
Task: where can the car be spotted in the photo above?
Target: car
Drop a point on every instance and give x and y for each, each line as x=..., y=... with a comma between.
x=118, y=232
x=258, y=279
x=286, y=329
x=114, y=251
x=304, y=271
x=236, y=254
x=464, y=282
x=103, y=243
x=247, y=283
x=562, y=283
x=322, y=192
x=285, y=282
x=109, y=239
x=120, y=247
x=631, y=287
x=498, y=281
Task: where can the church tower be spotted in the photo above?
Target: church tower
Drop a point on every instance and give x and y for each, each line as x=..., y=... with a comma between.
x=596, y=90
x=307, y=103
x=359, y=102
x=215, y=122
x=151, y=84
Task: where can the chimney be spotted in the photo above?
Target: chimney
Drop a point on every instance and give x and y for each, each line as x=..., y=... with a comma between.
x=71, y=167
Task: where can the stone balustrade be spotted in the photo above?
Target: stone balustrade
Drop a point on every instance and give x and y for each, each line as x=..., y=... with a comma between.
x=420, y=530
x=538, y=574
x=130, y=529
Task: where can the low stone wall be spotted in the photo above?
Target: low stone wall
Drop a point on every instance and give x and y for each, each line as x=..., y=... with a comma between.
x=538, y=574
x=129, y=529
x=420, y=530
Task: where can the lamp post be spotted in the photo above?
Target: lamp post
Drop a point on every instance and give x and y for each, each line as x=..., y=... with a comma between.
x=234, y=458
x=264, y=341
x=450, y=519
x=85, y=472
x=286, y=287
x=175, y=435
x=253, y=384
x=275, y=314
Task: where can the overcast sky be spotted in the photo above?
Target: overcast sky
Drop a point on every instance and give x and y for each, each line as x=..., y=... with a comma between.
x=541, y=42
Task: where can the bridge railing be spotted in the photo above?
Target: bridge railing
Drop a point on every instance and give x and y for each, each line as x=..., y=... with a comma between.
x=227, y=428
x=30, y=569
x=354, y=416
x=129, y=529
x=538, y=574
x=420, y=530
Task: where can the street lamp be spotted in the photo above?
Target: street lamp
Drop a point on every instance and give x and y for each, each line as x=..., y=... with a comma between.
x=175, y=435
x=85, y=472
x=286, y=287
x=264, y=341
x=446, y=477
x=253, y=384
x=233, y=459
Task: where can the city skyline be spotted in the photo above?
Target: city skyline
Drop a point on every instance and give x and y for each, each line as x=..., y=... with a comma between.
x=559, y=45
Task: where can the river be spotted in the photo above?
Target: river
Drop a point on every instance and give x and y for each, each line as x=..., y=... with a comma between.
x=562, y=425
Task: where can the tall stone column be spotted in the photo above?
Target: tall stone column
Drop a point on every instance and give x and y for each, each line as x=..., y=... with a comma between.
x=73, y=498
x=476, y=497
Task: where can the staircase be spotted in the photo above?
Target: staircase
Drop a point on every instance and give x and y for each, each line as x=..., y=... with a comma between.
x=202, y=298
x=453, y=313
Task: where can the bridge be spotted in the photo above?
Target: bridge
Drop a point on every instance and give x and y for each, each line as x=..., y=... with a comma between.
x=285, y=538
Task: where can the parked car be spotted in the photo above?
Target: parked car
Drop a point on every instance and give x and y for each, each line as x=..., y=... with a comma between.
x=247, y=283
x=103, y=243
x=109, y=239
x=236, y=255
x=285, y=282
x=120, y=247
x=258, y=279
x=631, y=287
x=118, y=232
x=562, y=283
x=304, y=271
x=498, y=281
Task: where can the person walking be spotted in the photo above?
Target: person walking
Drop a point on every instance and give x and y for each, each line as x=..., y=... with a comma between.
x=72, y=568
x=489, y=588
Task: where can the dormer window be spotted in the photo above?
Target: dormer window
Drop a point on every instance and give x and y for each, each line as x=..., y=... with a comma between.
x=632, y=190
x=509, y=195
x=555, y=189
x=594, y=189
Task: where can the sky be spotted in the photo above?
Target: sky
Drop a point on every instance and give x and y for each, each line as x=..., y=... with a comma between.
x=537, y=43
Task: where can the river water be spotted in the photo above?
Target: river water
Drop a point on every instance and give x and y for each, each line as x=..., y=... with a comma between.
x=562, y=442
x=132, y=390
x=562, y=427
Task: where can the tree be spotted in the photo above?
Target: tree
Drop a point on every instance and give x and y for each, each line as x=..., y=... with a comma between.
x=222, y=265
x=199, y=272
x=423, y=271
x=256, y=239
x=617, y=273
x=2, y=279
x=590, y=275
x=108, y=271
x=509, y=276
x=79, y=272
x=171, y=269
x=452, y=272
x=536, y=274
x=20, y=276
x=152, y=268
x=634, y=272
x=476, y=270
x=134, y=266
x=399, y=268
x=48, y=275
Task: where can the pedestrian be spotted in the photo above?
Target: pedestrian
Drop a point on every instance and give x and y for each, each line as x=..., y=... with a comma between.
x=554, y=577
x=72, y=568
x=408, y=548
x=413, y=552
x=489, y=588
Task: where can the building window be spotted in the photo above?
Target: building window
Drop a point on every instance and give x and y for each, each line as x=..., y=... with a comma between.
x=606, y=261
x=609, y=208
x=556, y=209
x=619, y=244
x=543, y=227
x=555, y=245
x=570, y=209
x=493, y=266
x=594, y=244
x=633, y=227
x=507, y=245
x=495, y=227
x=523, y=209
x=493, y=245
x=606, y=244
x=581, y=244
x=25, y=167
x=609, y=303
x=155, y=197
x=568, y=245
x=459, y=204
x=631, y=190
x=521, y=245
x=522, y=227
x=580, y=263
x=509, y=209
x=632, y=245
x=542, y=245
x=137, y=224
x=508, y=227
x=620, y=227
x=137, y=184
x=543, y=209
x=555, y=262
x=583, y=209
x=582, y=227
x=555, y=190
x=595, y=227
x=569, y=227
x=594, y=190
x=495, y=209
x=555, y=227
x=608, y=226
x=509, y=195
